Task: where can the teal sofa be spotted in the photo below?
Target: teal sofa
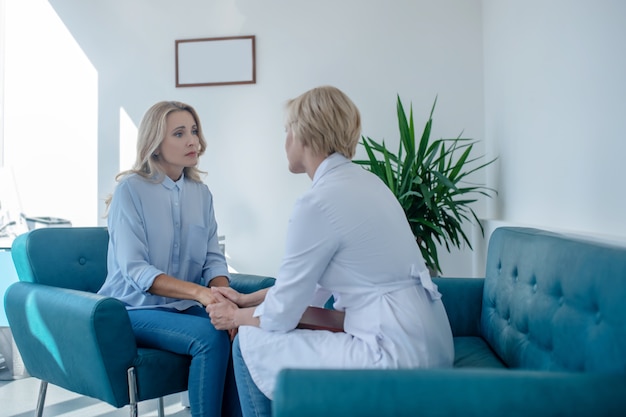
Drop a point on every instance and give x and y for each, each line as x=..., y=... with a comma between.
x=542, y=334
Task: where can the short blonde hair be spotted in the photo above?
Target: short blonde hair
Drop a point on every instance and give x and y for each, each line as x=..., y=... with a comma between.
x=326, y=120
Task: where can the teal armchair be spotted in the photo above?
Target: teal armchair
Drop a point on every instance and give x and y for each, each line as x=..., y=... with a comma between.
x=72, y=337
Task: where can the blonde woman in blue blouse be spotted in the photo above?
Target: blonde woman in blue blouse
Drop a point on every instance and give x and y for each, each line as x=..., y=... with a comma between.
x=347, y=237
x=164, y=257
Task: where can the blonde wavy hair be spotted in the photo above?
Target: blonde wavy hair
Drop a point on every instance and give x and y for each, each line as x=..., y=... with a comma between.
x=326, y=120
x=151, y=134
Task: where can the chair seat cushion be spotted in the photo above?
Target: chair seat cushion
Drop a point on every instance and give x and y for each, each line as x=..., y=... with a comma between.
x=158, y=369
x=473, y=352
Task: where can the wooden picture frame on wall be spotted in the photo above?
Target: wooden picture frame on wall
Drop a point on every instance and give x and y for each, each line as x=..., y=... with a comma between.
x=215, y=61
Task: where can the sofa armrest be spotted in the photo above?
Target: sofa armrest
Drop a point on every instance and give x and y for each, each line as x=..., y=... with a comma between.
x=247, y=283
x=449, y=392
x=54, y=323
x=463, y=300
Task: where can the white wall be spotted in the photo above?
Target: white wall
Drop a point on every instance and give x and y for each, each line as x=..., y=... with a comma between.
x=80, y=71
x=555, y=112
x=49, y=120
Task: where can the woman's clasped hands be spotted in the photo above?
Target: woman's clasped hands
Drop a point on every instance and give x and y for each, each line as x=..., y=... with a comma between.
x=222, y=311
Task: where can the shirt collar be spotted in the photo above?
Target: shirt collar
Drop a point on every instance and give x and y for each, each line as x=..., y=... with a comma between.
x=331, y=162
x=170, y=184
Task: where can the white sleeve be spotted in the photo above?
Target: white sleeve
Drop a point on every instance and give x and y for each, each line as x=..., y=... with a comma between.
x=310, y=245
x=321, y=296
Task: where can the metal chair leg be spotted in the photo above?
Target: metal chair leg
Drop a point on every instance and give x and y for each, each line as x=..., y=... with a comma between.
x=161, y=409
x=132, y=391
x=43, y=388
x=132, y=395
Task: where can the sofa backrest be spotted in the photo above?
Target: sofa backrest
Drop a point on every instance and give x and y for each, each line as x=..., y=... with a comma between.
x=67, y=257
x=555, y=302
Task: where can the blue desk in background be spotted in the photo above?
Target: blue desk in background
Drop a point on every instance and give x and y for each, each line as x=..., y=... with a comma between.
x=7, y=277
x=11, y=365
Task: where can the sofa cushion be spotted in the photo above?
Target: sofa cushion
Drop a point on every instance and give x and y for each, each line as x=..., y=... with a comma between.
x=474, y=352
x=555, y=302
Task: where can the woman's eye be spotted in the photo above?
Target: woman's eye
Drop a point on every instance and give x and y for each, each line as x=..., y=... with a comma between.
x=178, y=134
x=194, y=132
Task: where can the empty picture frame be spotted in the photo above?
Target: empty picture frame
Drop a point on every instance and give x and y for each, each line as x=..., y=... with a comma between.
x=215, y=61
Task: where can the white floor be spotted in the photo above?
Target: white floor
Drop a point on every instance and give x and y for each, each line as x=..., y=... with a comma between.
x=18, y=398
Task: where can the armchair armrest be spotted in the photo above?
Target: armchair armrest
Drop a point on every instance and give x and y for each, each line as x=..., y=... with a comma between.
x=246, y=283
x=54, y=323
x=449, y=392
x=463, y=300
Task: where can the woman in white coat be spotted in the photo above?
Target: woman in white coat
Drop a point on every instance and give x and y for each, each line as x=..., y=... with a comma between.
x=347, y=237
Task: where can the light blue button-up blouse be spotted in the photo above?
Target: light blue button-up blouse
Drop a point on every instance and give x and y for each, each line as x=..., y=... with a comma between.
x=160, y=227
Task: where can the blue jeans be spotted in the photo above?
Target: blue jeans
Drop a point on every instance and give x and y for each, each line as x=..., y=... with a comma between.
x=190, y=332
x=253, y=402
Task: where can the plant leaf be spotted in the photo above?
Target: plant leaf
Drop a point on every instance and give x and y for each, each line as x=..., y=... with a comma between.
x=428, y=179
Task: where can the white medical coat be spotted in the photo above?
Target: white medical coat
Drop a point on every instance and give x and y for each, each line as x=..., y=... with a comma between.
x=349, y=237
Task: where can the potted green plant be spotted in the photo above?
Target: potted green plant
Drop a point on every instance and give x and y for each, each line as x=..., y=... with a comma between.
x=430, y=180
